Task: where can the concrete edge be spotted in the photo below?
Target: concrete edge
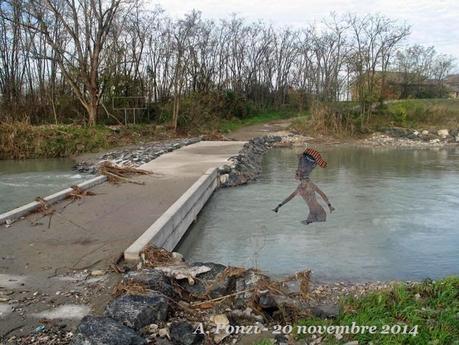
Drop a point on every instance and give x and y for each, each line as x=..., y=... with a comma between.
x=169, y=228
x=50, y=199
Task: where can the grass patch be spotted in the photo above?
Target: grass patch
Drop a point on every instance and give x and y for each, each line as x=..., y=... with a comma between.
x=337, y=119
x=417, y=113
x=227, y=126
x=431, y=306
x=19, y=140
x=343, y=119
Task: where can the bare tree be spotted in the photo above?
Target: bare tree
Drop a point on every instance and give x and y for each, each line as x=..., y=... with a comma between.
x=86, y=23
x=373, y=40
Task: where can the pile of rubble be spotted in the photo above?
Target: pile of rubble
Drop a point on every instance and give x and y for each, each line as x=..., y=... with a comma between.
x=136, y=156
x=246, y=166
x=396, y=136
x=169, y=301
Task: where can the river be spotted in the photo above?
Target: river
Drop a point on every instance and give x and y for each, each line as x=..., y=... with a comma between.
x=21, y=181
x=396, y=217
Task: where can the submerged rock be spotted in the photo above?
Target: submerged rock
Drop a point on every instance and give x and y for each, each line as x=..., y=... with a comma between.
x=105, y=331
x=183, y=333
x=137, y=311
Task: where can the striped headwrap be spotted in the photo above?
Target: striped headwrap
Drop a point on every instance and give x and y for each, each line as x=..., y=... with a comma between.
x=317, y=157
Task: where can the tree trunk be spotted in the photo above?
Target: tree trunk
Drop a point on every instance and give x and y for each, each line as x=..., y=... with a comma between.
x=92, y=112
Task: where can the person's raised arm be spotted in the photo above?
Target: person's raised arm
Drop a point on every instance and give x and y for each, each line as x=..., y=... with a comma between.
x=290, y=197
x=322, y=194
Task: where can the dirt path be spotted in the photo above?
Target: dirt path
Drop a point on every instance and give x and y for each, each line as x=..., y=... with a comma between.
x=278, y=127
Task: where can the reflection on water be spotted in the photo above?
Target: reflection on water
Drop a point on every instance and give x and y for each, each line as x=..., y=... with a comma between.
x=396, y=217
x=22, y=181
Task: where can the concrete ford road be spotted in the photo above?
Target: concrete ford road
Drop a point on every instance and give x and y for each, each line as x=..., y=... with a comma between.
x=93, y=231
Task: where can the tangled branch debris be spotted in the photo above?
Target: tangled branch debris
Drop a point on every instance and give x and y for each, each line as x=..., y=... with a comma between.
x=153, y=256
x=130, y=288
x=78, y=193
x=44, y=208
x=210, y=289
x=116, y=173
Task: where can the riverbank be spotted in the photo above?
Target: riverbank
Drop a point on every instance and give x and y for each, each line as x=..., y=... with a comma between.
x=124, y=225
x=425, y=121
x=21, y=140
x=167, y=300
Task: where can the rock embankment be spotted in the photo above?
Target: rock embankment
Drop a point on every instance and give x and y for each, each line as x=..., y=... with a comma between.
x=246, y=166
x=136, y=156
x=168, y=301
x=396, y=136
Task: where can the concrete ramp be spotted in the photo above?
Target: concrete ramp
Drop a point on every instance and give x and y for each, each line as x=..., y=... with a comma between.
x=168, y=230
x=194, y=160
x=97, y=229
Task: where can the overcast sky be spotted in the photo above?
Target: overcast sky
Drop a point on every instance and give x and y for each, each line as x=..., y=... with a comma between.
x=432, y=22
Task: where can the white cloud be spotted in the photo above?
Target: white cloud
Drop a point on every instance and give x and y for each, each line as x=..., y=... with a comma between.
x=432, y=22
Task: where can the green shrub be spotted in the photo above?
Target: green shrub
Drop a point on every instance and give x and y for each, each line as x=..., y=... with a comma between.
x=432, y=306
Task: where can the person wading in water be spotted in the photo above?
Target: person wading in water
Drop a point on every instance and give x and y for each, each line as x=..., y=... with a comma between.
x=306, y=163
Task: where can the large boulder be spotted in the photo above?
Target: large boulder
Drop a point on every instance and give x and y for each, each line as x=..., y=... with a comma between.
x=208, y=282
x=443, y=133
x=152, y=279
x=183, y=333
x=138, y=311
x=105, y=331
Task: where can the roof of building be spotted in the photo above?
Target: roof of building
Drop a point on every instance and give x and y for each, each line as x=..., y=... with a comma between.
x=452, y=82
